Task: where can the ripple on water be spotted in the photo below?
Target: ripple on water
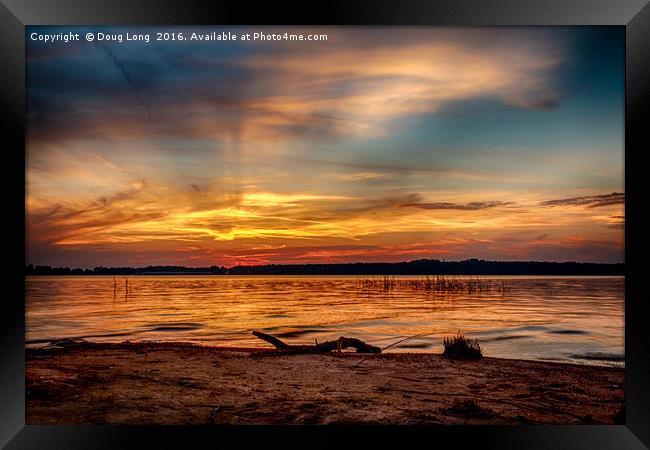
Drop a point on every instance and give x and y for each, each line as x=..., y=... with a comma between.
x=568, y=332
x=506, y=337
x=297, y=333
x=598, y=356
x=177, y=326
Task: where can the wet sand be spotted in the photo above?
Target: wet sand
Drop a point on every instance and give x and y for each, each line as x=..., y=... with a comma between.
x=176, y=383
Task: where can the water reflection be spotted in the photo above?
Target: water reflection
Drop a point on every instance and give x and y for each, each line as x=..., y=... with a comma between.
x=577, y=319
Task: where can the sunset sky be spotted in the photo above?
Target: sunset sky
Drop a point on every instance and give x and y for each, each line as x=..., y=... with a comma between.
x=379, y=144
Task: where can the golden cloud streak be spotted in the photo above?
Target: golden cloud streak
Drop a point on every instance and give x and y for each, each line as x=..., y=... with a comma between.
x=264, y=215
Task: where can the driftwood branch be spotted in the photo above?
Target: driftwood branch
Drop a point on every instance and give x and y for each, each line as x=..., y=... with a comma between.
x=324, y=347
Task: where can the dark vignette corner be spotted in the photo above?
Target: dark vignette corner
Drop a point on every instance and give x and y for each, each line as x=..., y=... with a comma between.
x=637, y=141
x=12, y=326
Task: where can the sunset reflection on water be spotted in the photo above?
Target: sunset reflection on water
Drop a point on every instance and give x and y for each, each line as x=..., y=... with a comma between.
x=570, y=319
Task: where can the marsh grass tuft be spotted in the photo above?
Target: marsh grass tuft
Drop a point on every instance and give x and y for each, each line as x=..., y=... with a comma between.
x=433, y=283
x=459, y=347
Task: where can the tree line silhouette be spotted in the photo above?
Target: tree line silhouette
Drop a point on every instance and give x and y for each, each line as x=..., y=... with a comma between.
x=417, y=267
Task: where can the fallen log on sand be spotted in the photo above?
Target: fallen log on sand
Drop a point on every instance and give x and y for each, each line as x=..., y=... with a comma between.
x=324, y=347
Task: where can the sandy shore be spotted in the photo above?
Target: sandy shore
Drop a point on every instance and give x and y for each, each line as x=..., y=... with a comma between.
x=184, y=384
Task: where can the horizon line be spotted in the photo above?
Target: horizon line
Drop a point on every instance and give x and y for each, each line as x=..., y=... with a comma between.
x=467, y=260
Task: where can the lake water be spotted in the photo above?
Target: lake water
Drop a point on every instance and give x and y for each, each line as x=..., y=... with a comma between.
x=570, y=319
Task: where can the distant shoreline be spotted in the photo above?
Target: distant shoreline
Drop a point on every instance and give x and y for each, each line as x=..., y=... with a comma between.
x=413, y=268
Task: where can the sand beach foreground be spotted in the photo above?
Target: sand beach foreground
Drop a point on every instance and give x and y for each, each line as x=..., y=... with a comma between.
x=177, y=383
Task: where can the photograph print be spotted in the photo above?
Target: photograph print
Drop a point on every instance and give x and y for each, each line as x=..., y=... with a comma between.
x=325, y=225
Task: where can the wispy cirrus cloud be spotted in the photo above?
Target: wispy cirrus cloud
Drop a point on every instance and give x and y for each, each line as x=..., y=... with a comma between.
x=361, y=176
x=590, y=201
x=470, y=206
x=348, y=86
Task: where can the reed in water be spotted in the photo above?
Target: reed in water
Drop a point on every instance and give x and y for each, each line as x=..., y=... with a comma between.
x=433, y=283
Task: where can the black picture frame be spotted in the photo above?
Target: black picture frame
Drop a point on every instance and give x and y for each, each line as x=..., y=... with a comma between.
x=633, y=15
